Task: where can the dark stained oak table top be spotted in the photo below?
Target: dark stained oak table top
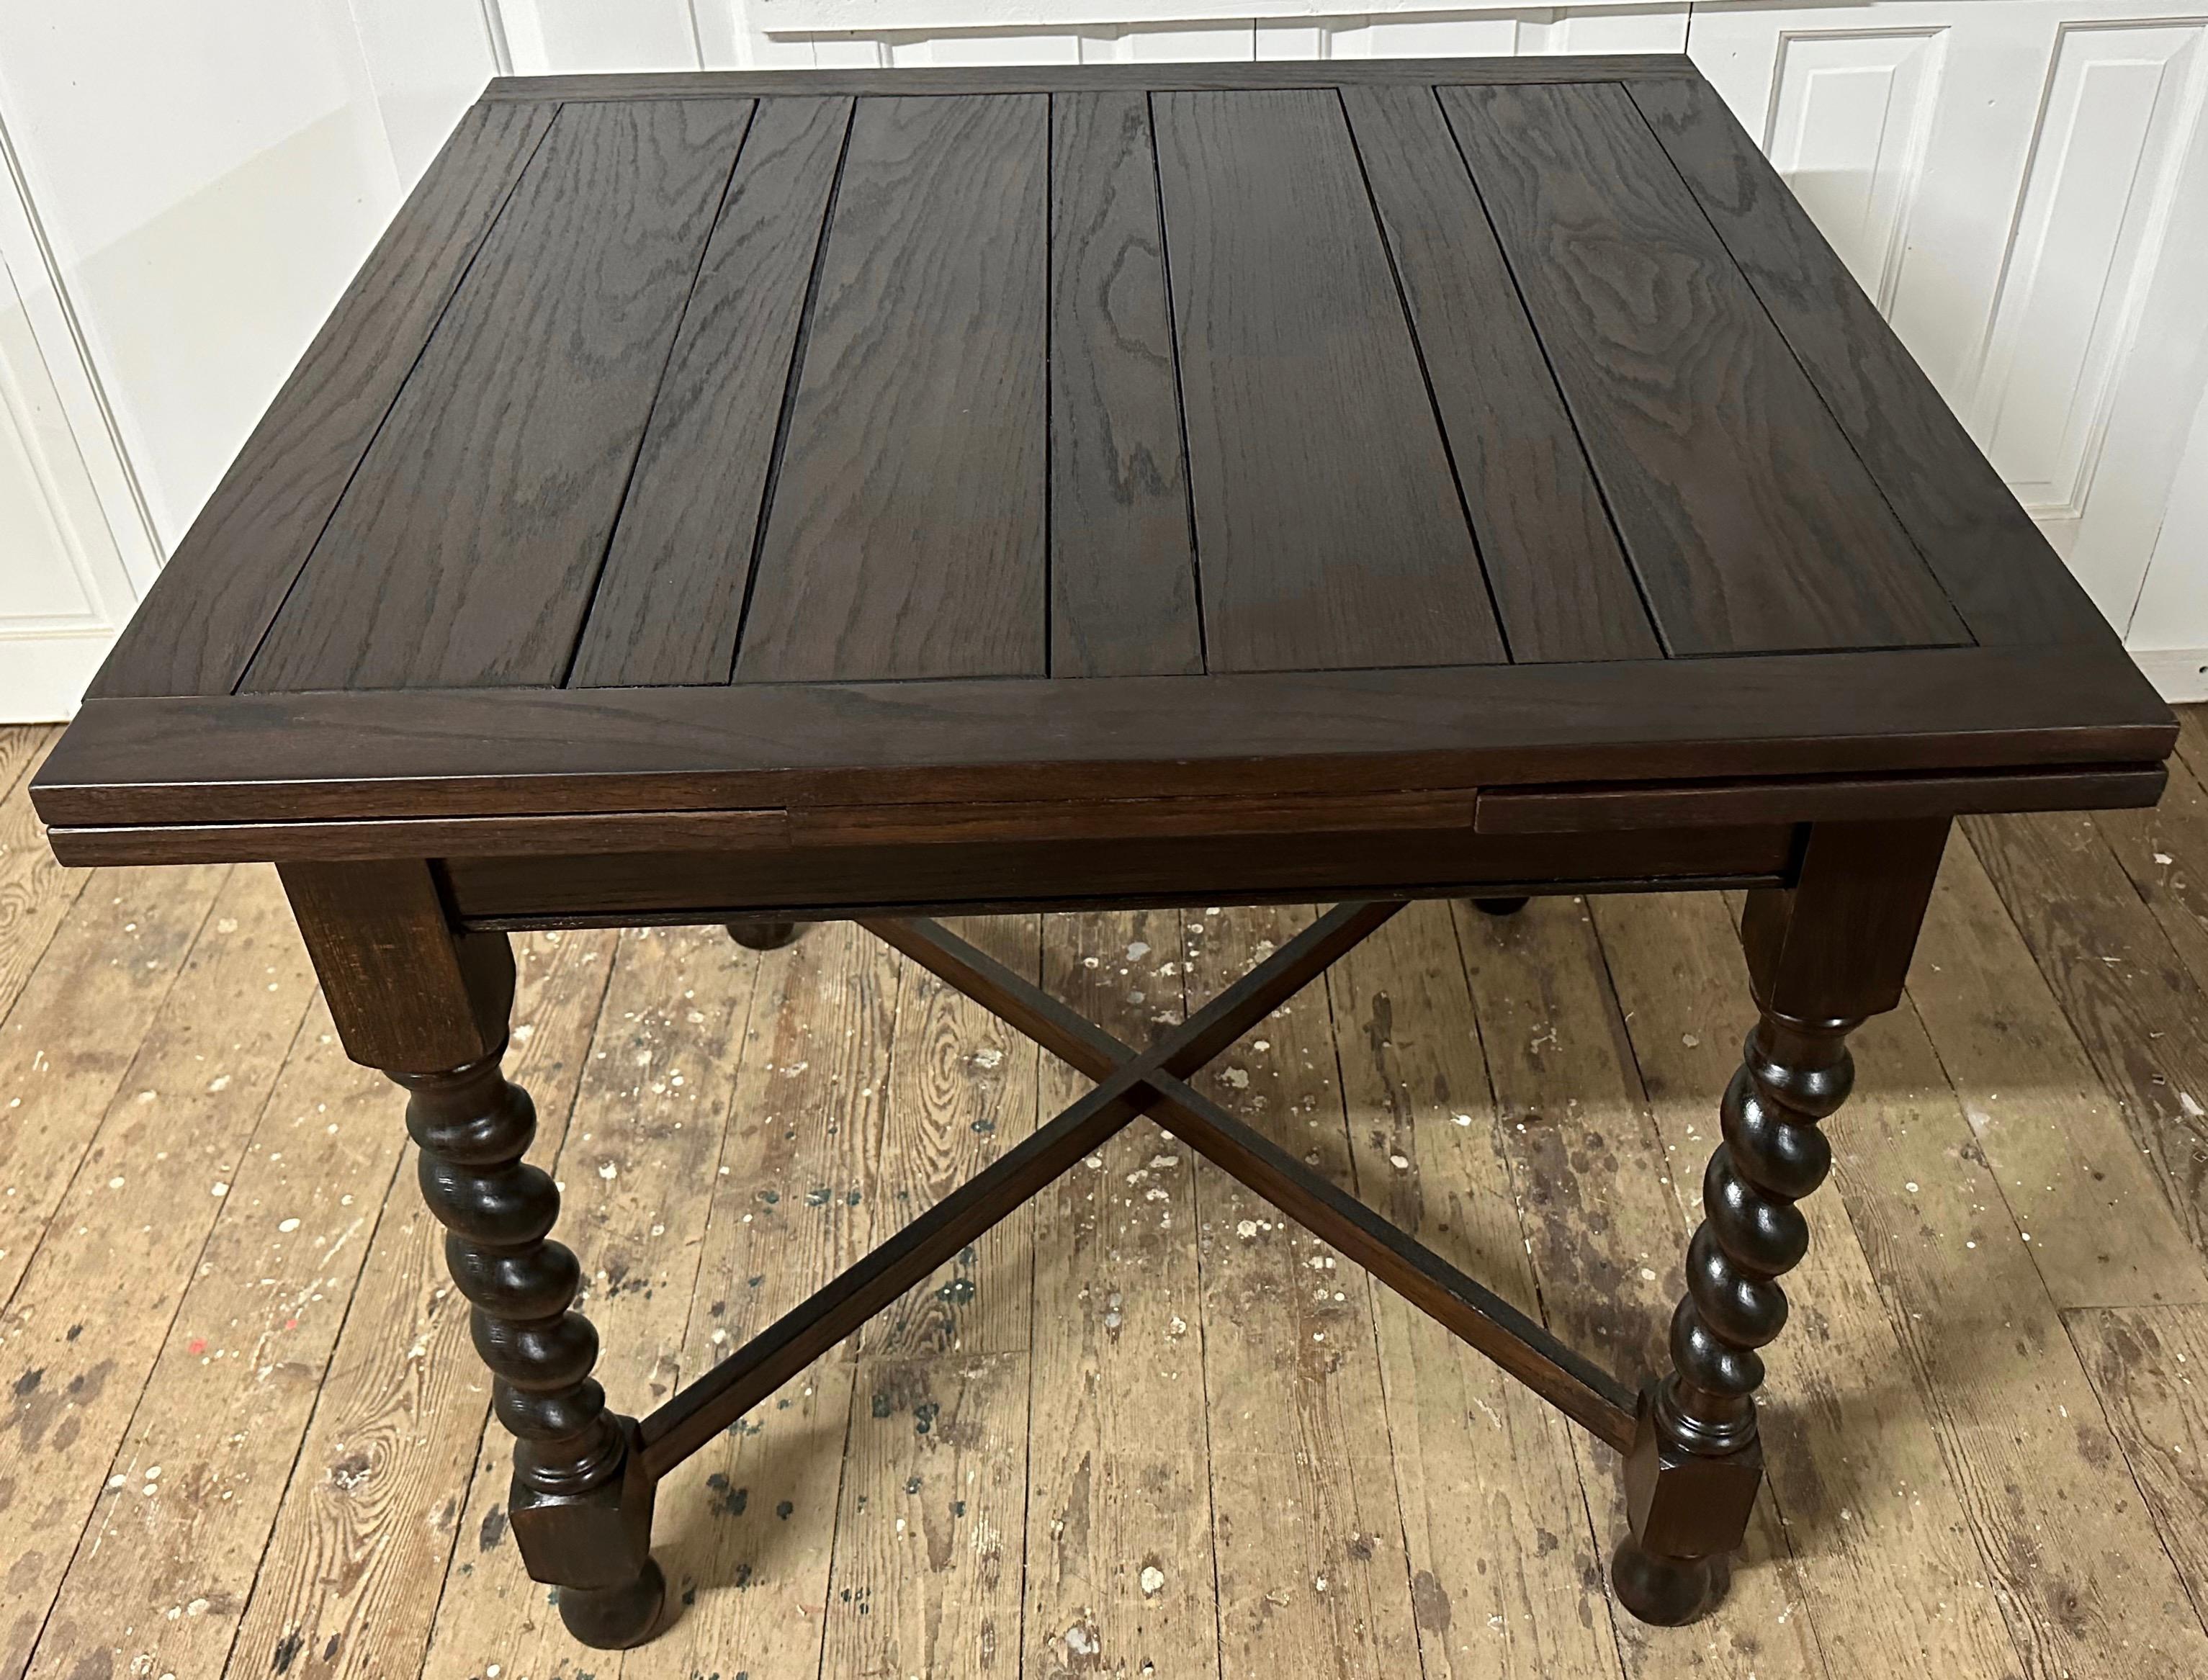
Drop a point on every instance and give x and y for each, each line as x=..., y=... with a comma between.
x=808, y=457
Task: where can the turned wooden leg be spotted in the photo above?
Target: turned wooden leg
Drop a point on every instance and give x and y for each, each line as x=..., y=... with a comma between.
x=579, y=1507
x=1822, y=956
x=429, y=1004
x=758, y=935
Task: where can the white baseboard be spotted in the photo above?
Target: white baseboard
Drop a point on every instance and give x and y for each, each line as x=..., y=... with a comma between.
x=43, y=677
x=2179, y=674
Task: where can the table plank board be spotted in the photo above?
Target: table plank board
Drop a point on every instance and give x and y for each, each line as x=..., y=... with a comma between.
x=907, y=535
x=1247, y=435
x=669, y=597
x=1561, y=583
x=1995, y=565
x=517, y=751
x=1123, y=561
x=214, y=600
x=1329, y=529
x=1752, y=523
x=466, y=548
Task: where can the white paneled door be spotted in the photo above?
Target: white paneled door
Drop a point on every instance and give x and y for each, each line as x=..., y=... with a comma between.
x=68, y=580
x=2021, y=184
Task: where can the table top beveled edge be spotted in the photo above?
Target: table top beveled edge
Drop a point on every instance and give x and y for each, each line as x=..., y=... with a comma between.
x=1192, y=76
x=399, y=754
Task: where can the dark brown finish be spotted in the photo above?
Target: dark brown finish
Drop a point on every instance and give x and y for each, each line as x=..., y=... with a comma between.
x=581, y=1507
x=700, y=886
x=1327, y=514
x=672, y=592
x=906, y=534
x=1052, y=78
x=1584, y=1393
x=1752, y=525
x=210, y=607
x=1822, y=955
x=515, y=752
x=1978, y=541
x=410, y=992
x=749, y=499
x=765, y=935
x=429, y=1005
x=482, y=559
x=1839, y=798
x=1561, y=582
x=1122, y=554
x=793, y=1341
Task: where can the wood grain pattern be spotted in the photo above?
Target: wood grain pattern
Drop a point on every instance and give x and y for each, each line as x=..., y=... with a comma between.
x=929, y=1519
x=672, y=593
x=458, y=752
x=1122, y=562
x=1329, y=527
x=239, y=1375
x=1750, y=523
x=35, y=891
x=1562, y=584
x=466, y=548
x=369, y=1516
x=1479, y=1463
x=208, y=612
x=1839, y=1378
x=1118, y=1507
x=2055, y=1138
x=117, y=953
x=962, y=1091
x=2144, y=1362
x=908, y=532
x=650, y=1114
x=77, y=1352
x=1309, y=1534
x=2026, y=1445
x=746, y=1527
x=21, y=747
x=1989, y=556
x=1908, y=1450
x=2137, y=1008
x=2164, y=851
x=1600, y=1196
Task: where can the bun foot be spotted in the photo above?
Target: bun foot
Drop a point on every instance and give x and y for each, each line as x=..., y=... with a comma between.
x=1666, y=1592
x=1498, y=906
x=763, y=935
x=613, y=1618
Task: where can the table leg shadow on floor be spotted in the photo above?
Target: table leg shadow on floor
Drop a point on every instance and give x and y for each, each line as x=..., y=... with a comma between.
x=427, y=1002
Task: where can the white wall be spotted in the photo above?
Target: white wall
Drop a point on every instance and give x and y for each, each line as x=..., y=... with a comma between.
x=2022, y=184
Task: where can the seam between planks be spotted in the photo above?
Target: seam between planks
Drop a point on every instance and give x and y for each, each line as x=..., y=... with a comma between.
x=1808, y=375
x=2062, y=1316
x=658, y=389
x=92, y=1136
x=413, y=366
x=1180, y=400
x=191, y=1274
x=307, y=1430
x=799, y=341
x=1548, y=362
x=1426, y=379
x=1373, y=1286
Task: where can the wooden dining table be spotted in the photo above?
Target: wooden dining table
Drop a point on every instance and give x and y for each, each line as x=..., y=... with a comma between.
x=760, y=498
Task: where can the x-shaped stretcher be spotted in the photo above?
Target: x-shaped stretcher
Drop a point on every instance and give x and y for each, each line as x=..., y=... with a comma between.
x=1130, y=1083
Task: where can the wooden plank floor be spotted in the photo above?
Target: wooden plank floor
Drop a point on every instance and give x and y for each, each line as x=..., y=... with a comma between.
x=1147, y=1428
